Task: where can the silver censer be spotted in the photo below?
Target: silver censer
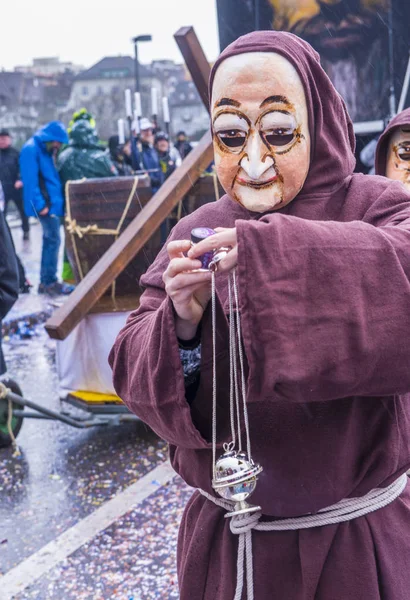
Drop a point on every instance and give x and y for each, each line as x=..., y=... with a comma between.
x=235, y=480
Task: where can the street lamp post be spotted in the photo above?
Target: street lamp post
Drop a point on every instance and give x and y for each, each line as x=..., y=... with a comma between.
x=257, y=15
x=139, y=38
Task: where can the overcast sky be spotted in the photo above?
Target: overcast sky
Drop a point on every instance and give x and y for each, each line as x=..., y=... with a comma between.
x=86, y=30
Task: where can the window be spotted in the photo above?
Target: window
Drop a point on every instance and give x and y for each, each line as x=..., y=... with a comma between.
x=84, y=90
x=115, y=73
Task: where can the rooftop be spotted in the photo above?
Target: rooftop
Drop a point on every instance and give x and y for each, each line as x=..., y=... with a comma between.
x=113, y=67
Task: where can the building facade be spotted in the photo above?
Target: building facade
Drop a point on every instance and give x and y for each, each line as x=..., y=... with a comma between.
x=101, y=90
x=188, y=112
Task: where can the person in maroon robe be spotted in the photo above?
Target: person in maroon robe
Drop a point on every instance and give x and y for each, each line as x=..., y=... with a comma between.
x=322, y=259
x=393, y=149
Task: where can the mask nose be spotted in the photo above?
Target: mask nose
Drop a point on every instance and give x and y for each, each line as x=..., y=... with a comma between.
x=252, y=163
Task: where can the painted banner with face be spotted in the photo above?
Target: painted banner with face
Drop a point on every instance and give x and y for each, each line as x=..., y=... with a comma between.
x=352, y=37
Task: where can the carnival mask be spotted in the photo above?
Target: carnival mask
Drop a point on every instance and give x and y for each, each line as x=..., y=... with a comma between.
x=260, y=130
x=398, y=158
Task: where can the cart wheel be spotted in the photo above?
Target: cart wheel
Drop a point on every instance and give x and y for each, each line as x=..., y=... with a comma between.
x=16, y=422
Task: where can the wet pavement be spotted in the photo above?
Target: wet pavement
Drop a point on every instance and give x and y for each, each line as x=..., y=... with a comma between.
x=134, y=559
x=63, y=475
x=30, y=308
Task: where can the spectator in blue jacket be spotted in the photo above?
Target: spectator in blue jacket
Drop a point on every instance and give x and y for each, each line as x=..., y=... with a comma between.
x=144, y=155
x=43, y=198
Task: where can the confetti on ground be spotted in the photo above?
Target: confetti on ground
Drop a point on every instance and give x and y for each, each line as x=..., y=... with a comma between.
x=63, y=474
x=134, y=558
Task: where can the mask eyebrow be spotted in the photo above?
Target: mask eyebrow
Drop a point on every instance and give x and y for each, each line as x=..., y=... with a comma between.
x=227, y=102
x=276, y=100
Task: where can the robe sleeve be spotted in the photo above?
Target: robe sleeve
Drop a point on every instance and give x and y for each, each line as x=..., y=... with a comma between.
x=148, y=374
x=326, y=305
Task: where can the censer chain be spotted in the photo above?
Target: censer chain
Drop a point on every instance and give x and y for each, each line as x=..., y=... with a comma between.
x=234, y=395
x=242, y=368
x=233, y=374
x=213, y=303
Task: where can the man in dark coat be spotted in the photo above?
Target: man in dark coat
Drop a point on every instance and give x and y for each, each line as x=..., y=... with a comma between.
x=120, y=155
x=10, y=179
x=182, y=144
x=9, y=281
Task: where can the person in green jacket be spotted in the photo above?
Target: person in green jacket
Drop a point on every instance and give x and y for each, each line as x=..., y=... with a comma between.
x=84, y=157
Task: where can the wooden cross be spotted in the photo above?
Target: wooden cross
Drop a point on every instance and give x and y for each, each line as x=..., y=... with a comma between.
x=130, y=242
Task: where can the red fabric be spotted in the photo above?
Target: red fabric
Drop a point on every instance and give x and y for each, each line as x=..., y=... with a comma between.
x=399, y=120
x=324, y=298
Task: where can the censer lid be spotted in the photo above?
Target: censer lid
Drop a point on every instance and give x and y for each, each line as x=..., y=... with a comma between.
x=200, y=233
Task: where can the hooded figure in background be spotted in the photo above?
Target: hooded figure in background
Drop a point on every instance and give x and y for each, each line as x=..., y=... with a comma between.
x=84, y=157
x=393, y=149
x=42, y=185
x=322, y=262
x=43, y=198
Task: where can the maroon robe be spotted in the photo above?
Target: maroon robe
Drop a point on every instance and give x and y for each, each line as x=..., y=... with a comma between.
x=403, y=118
x=325, y=302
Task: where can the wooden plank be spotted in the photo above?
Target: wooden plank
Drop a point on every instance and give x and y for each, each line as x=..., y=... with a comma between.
x=195, y=60
x=107, y=304
x=112, y=263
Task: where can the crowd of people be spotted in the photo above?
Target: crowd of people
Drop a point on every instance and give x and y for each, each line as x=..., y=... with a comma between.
x=35, y=178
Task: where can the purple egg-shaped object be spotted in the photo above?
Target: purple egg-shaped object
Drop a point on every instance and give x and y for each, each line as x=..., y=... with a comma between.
x=197, y=235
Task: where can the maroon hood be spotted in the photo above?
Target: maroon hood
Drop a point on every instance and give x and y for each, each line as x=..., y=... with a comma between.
x=399, y=120
x=331, y=131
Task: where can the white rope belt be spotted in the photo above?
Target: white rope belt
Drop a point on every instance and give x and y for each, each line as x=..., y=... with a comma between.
x=345, y=510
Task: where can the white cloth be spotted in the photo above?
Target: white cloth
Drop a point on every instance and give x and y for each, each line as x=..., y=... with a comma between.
x=175, y=156
x=82, y=358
